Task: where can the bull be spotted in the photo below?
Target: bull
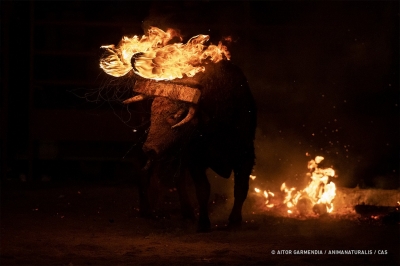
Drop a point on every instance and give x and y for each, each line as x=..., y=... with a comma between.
x=204, y=121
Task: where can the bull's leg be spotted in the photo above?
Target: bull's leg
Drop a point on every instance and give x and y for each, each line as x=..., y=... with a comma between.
x=203, y=194
x=186, y=206
x=144, y=204
x=242, y=172
x=149, y=189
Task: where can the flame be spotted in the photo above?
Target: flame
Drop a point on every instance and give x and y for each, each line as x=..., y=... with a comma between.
x=320, y=192
x=153, y=58
x=266, y=194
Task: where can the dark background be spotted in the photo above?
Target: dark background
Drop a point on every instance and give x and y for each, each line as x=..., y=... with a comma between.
x=325, y=76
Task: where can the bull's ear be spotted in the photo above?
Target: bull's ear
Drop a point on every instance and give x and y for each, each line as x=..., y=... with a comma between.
x=189, y=116
x=136, y=98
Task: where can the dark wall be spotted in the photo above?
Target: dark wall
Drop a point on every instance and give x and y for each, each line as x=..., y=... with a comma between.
x=325, y=75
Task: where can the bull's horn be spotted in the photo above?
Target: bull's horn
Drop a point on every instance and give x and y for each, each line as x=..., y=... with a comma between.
x=148, y=165
x=134, y=99
x=188, y=117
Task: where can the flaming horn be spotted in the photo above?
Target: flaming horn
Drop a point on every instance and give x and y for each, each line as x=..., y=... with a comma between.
x=152, y=57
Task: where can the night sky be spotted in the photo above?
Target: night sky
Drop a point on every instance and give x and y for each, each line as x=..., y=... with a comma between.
x=325, y=77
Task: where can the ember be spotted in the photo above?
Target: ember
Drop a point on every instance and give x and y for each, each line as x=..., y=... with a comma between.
x=151, y=57
x=267, y=195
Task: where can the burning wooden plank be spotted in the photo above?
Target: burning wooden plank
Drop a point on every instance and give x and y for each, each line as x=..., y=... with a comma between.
x=171, y=90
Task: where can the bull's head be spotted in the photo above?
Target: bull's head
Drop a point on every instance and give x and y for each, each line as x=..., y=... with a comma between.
x=172, y=113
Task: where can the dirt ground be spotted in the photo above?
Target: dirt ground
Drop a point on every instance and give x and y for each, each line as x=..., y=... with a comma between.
x=86, y=224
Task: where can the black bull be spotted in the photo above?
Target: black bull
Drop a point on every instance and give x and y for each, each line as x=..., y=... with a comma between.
x=216, y=131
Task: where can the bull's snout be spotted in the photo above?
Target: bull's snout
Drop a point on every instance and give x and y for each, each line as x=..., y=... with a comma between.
x=151, y=152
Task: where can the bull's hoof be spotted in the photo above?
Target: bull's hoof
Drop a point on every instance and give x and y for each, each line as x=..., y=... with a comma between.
x=188, y=214
x=204, y=225
x=234, y=226
x=204, y=229
x=154, y=215
x=235, y=220
x=146, y=214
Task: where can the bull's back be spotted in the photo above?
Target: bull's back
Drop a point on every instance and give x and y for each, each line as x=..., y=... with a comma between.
x=227, y=118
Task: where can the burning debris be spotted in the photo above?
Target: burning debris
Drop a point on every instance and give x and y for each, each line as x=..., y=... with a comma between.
x=153, y=57
x=320, y=194
x=317, y=197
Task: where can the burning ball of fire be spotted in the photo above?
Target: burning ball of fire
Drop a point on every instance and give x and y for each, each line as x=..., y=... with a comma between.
x=151, y=57
x=319, y=193
x=317, y=197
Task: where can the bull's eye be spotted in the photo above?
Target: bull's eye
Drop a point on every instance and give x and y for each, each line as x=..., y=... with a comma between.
x=177, y=117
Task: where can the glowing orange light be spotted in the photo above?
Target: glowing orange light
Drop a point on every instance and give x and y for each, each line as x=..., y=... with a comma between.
x=318, y=191
x=154, y=58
